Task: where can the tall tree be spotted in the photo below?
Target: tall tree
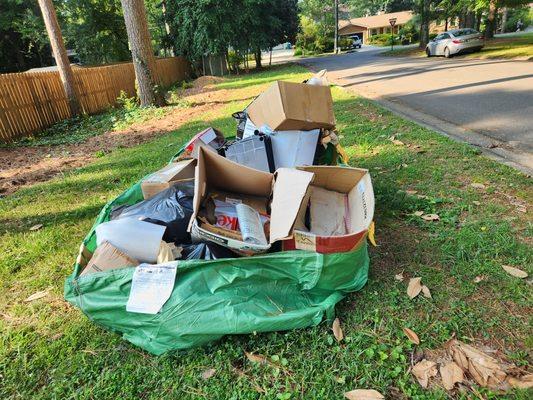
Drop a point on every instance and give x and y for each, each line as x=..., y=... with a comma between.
x=60, y=54
x=424, y=11
x=142, y=53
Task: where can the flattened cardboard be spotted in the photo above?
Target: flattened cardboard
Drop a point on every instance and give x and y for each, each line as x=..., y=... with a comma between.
x=354, y=182
x=290, y=189
x=214, y=172
x=210, y=139
x=108, y=257
x=167, y=176
x=328, y=212
x=288, y=106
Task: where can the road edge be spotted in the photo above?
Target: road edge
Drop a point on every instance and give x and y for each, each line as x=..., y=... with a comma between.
x=490, y=147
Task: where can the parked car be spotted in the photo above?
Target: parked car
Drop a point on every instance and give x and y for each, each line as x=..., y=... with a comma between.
x=357, y=42
x=454, y=42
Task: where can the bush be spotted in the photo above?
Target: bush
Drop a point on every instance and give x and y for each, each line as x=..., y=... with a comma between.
x=298, y=51
x=345, y=43
x=383, y=39
x=524, y=14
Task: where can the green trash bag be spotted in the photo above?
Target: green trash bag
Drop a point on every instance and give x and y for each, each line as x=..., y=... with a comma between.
x=272, y=292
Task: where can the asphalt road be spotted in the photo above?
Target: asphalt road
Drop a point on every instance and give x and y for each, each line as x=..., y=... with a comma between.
x=492, y=99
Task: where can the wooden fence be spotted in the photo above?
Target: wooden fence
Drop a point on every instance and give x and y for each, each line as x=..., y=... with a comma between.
x=32, y=101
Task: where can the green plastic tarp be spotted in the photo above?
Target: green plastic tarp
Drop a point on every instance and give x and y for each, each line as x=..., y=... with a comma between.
x=271, y=292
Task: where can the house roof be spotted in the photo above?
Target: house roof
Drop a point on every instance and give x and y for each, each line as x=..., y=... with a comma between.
x=377, y=21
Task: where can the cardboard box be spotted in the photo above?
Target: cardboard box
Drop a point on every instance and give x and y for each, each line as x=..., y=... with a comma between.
x=359, y=211
x=108, y=257
x=167, y=176
x=287, y=106
x=286, y=189
x=210, y=138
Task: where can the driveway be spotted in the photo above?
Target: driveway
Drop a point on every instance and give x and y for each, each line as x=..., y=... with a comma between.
x=488, y=103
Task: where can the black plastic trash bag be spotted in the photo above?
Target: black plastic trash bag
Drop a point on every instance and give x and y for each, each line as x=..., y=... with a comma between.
x=171, y=208
x=206, y=251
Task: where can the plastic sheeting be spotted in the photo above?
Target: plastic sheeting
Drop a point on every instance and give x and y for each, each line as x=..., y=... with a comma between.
x=210, y=299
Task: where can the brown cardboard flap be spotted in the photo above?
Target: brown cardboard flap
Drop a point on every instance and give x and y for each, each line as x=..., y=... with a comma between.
x=290, y=189
x=338, y=179
x=108, y=257
x=167, y=176
x=216, y=172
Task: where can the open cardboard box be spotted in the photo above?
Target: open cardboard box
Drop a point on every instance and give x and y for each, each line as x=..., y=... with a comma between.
x=287, y=106
x=285, y=190
x=166, y=177
x=357, y=186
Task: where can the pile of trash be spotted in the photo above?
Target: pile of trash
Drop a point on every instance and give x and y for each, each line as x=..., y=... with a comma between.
x=235, y=235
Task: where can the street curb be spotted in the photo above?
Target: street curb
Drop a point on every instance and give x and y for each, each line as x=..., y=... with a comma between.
x=492, y=148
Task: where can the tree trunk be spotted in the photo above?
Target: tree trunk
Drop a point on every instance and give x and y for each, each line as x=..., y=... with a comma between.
x=257, y=56
x=491, y=20
x=479, y=15
x=142, y=53
x=270, y=60
x=167, y=26
x=424, y=24
x=60, y=55
x=504, y=19
x=336, y=41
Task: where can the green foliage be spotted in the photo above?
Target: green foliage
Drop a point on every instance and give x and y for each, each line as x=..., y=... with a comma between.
x=360, y=8
x=211, y=27
x=524, y=14
x=384, y=39
x=317, y=27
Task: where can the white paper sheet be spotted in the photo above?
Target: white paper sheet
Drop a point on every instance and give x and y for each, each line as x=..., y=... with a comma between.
x=151, y=287
x=250, y=225
x=138, y=239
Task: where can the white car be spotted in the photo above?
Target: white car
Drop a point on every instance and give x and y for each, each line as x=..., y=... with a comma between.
x=357, y=43
x=454, y=42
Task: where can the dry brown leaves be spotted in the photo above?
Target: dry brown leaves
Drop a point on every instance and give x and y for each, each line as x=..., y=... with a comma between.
x=517, y=273
x=414, y=287
x=466, y=364
x=37, y=295
x=412, y=336
x=256, y=358
x=337, y=330
x=363, y=394
x=36, y=227
x=423, y=371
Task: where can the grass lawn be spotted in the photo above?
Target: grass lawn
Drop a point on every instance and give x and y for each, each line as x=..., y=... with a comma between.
x=512, y=47
x=51, y=350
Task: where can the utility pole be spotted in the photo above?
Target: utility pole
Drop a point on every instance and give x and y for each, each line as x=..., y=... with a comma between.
x=336, y=41
x=142, y=52
x=60, y=55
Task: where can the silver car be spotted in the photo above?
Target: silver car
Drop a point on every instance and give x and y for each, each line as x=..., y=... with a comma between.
x=454, y=42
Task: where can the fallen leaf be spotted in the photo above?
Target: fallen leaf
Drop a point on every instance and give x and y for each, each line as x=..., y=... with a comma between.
x=256, y=358
x=521, y=209
x=413, y=337
x=337, y=330
x=484, y=369
x=414, y=287
x=423, y=371
x=451, y=374
x=477, y=203
x=37, y=295
x=399, y=277
x=426, y=292
x=478, y=185
x=418, y=213
x=430, y=217
x=411, y=192
x=36, y=227
x=518, y=273
x=525, y=382
x=479, y=278
x=208, y=373
x=363, y=394
x=422, y=196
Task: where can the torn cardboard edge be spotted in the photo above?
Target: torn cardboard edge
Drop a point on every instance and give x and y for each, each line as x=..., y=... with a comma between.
x=107, y=257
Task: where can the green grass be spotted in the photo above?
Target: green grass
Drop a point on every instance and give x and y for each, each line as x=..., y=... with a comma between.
x=511, y=47
x=50, y=350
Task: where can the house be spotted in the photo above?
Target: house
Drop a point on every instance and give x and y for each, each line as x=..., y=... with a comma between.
x=368, y=26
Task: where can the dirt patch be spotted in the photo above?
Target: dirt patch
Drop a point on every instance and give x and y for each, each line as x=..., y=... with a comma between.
x=24, y=166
